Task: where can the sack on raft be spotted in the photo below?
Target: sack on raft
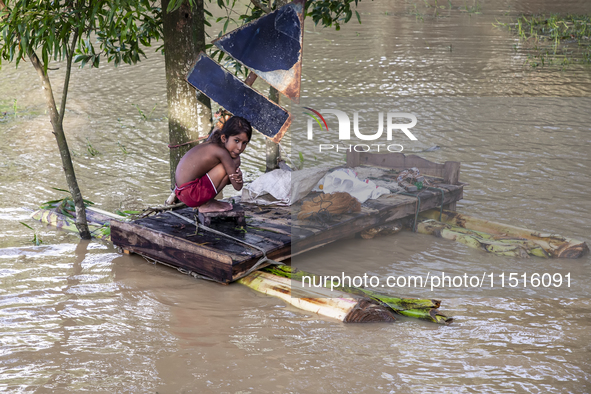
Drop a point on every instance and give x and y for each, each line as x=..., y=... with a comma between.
x=334, y=203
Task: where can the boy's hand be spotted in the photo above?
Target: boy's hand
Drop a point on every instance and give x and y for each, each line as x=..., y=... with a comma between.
x=237, y=177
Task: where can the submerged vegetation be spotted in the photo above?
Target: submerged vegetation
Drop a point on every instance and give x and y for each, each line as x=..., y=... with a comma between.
x=92, y=151
x=553, y=40
x=8, y=110
x=36, y=237
x=11, y=110
x=65, y=205
x=143, y=115
x=441, y=8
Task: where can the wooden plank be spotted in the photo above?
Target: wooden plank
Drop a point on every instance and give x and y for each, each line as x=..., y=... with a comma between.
x=394, y=208
x=270, y=227
x=171, y=224
x=169, y=239
x=450, y=207
x=451, y=172
x=278, y=255
x=397, y=161
x=353, y=159
x=175, y=251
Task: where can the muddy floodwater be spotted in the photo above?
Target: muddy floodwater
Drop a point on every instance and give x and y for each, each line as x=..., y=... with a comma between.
x=79, y=317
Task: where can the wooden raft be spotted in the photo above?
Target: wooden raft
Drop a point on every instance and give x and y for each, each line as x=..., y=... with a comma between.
x=169, y=239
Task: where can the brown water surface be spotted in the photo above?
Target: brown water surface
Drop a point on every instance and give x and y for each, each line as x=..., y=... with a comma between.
x=76, y=316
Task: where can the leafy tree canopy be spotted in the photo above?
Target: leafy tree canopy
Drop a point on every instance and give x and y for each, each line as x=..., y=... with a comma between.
x=327, y=13
x=119, y=29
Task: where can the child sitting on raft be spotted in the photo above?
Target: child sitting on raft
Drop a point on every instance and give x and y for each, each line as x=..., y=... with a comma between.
x=207, y=168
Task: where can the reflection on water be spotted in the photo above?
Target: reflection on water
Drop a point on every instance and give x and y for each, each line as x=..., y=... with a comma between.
x=77, y=316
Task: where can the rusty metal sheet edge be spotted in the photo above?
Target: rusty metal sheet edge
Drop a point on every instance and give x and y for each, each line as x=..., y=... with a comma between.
x=277, y=138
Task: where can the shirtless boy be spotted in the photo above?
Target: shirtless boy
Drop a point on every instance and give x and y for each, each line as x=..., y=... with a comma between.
x=207, y=168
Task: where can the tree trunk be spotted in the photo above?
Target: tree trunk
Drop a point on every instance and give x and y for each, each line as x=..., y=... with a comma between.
x=272, y=148
x=189, y=112
x=58, y=131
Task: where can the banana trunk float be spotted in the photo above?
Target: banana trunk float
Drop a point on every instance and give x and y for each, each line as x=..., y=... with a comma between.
x=423, y=309
x=479, y=240
x=336, y=305
x=59, y=220
x=500, y=238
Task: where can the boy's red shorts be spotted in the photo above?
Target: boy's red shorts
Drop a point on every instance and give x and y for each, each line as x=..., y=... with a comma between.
x=197, y=192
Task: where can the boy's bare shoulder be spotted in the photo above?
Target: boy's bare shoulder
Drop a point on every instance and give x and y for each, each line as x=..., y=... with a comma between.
x=208, y=148
x=215, y=149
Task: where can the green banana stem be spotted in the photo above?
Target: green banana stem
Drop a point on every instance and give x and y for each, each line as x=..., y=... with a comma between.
x=424, y=309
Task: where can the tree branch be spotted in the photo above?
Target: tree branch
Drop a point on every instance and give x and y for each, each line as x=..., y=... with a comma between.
x=70, y=54
x=256, y=3
x=45, y=85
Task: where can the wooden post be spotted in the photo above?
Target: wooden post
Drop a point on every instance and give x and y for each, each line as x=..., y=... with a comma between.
x=352, y=159
x=272, y=149
x=451, y=172
x=451, y=176
x=273, y=154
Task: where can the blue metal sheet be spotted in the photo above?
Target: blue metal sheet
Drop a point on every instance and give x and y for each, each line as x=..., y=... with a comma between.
x=271, y=46
x=238, y=98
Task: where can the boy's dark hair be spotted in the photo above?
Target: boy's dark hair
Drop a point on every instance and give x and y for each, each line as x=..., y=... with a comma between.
x=233, y=126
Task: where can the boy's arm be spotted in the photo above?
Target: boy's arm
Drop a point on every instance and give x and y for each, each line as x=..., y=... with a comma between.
x=238, y=175
x=230, y=166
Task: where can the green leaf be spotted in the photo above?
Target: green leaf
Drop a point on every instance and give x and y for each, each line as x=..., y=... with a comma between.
x=348, y=15
x=51, y=202
x=27, y=226
x=45, y=57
